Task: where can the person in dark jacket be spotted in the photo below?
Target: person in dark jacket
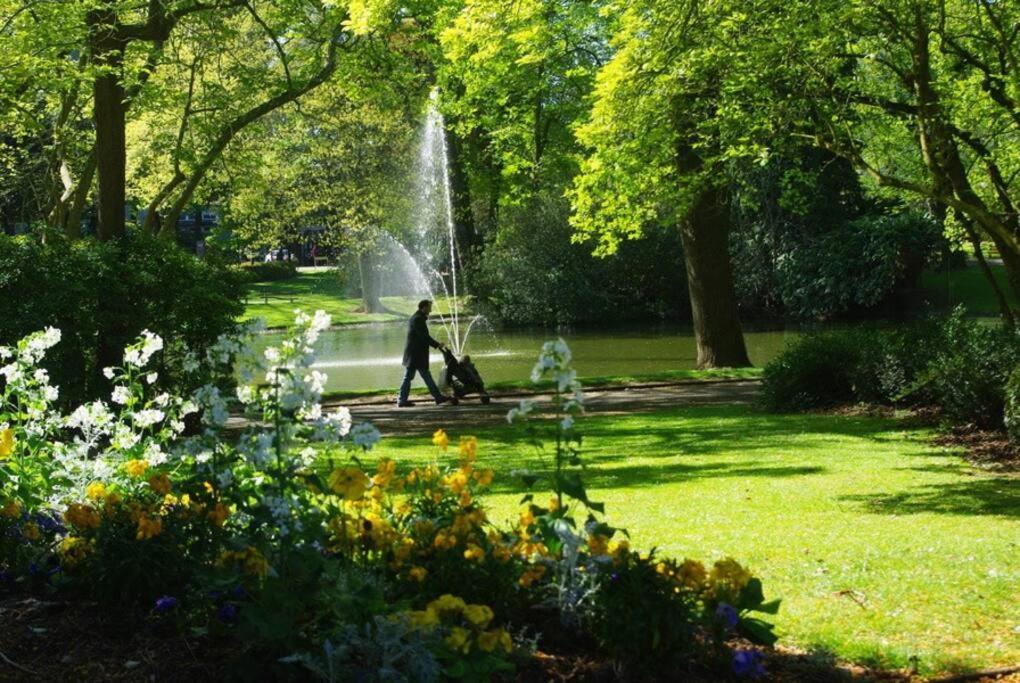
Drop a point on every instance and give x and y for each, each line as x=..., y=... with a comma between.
x=416, y=355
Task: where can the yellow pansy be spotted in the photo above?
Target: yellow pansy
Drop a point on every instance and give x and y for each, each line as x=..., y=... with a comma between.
x=478, y=615
x=488, y=640
x=136, y=468
x=95, y=491
x=349, y=482
x=459, y=639
x=160, y=483
x=440, y=439
x=474, y=552
x=148, y=526
x=468, y=448
x=6, y=443
x=11, y=508
x=30, y=531
x=81, y=516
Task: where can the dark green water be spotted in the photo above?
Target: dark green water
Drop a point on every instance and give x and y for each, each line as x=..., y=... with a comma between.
x=364, y=358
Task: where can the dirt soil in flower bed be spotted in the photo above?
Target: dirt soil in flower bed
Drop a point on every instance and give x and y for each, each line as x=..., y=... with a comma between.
x=56, y=640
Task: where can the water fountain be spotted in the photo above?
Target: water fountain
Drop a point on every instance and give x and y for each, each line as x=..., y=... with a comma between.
x=435, y=233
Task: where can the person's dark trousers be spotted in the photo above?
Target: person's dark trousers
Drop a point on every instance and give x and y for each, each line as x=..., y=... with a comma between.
x=405, y=385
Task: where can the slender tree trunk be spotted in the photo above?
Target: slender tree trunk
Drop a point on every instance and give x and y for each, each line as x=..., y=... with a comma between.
x=705, y=238
x=369, y=285
x=460, y=195
x=1004, y=309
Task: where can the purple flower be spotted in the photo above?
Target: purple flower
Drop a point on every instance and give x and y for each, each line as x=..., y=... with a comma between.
x=727, y=615
x=748, y=664
x=165, y=604
x=227, y=613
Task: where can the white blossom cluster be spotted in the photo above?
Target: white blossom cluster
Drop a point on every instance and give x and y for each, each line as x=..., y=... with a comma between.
x=555, y=363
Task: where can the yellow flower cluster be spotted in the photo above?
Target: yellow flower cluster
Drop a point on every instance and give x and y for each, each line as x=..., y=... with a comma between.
x=73, y=550
x=349, y=482
x=160, y=483
x=148, y=526
x=136, y=468
x=469, y=624
x=82, y=516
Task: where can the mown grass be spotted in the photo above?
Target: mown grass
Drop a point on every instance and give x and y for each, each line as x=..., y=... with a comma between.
x=969, y=287
x=275, y=301
x=882, y=546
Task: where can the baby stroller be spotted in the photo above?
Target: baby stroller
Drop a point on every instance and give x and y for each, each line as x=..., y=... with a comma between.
x=462, y=376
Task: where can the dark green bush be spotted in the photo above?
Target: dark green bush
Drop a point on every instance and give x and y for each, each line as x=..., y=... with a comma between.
x=968, y=376
x=820, y=370
x=1012, y=416
x=959, y=365
x=102, y=295
x=270, y=271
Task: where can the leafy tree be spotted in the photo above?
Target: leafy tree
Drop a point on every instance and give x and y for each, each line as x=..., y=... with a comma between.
x=674, y=112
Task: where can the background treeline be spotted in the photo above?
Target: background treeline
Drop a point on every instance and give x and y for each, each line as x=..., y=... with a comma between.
x=725, y=160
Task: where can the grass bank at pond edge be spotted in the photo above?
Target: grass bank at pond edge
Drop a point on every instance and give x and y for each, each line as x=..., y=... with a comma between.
x=883, y=546
x=322, y=289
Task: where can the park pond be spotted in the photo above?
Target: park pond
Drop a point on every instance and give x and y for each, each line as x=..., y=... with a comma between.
x=365, y=358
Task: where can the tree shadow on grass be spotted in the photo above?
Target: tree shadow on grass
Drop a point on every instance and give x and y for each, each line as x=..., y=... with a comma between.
x=998, y=496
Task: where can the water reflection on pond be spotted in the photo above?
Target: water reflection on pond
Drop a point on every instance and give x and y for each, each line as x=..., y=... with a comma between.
x=369, y=357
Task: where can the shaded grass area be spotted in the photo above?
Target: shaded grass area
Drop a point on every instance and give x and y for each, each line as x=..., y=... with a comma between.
x=319, y=289
x=967, y=286
x=594, y=382
x=883, y=546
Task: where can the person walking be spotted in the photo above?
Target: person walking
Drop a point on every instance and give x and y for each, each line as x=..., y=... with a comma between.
x=416, y=355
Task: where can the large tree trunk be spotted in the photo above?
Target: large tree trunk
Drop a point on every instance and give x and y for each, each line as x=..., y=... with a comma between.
x=109, y=113
x=705, y=237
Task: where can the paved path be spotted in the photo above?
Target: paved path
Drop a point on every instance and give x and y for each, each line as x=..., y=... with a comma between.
x=425, y=417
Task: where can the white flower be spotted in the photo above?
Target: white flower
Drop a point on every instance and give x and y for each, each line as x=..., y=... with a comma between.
x=139, y=354
x=272, y=355
x=148, y=417
x=5, y=352
x=108, y=373
x=162, y=400
x=521, y=412
x=12, y=372
x=152, y=377
x=120, y=395
x=155, y=455
x=41, y=376
x=51, y=394
x=567, y=423
x=245, y=393
x=565, y=379
x=365, y=435
x=123, y=438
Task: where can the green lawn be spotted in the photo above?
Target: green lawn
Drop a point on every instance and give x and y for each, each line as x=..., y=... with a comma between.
x=967, y=286
x=319, y=289
x=882, y=546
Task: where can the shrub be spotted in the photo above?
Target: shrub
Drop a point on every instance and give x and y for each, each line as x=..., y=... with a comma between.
x=1012, y=416
x=102, y=295
x=959, y=365
x=266, y=271
x=967, y=378
x=818, y=371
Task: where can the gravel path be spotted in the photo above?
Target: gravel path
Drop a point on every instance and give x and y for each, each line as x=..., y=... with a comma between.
x=425, y=417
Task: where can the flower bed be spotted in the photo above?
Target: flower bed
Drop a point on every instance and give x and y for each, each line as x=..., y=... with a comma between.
x=283, y=542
